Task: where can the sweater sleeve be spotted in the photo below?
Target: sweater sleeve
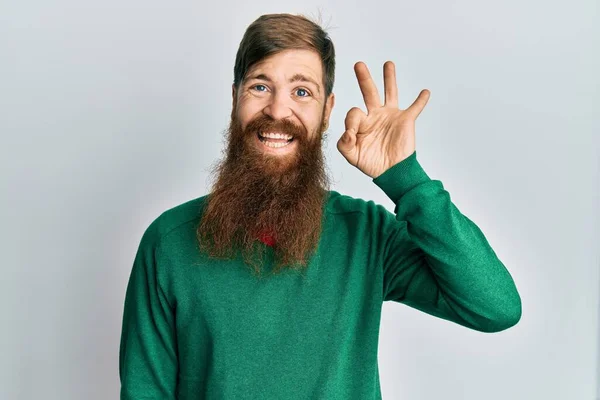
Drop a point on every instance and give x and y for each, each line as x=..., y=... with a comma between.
x=147, y=358
x=437, y=260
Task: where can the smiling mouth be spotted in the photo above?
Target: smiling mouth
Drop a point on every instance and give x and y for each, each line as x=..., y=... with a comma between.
x=274, y=143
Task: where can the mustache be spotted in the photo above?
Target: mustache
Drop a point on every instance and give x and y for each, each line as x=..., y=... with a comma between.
x=267, y=124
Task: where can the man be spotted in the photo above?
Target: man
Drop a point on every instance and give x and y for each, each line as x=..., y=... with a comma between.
x=271, y=286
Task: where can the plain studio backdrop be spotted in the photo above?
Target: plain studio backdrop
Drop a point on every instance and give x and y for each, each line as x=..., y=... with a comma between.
x=113, y=111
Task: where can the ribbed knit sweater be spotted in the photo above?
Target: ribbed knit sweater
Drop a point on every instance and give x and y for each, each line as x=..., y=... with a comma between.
x=199, y=328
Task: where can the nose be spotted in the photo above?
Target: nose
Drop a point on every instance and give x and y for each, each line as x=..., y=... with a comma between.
x=278, y=108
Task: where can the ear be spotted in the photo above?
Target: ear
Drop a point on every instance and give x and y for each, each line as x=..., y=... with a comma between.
x=233, y=95
x=233, y=101
x=329, y=106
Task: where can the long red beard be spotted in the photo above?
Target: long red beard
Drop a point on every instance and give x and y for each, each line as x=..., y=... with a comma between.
x=257, y=193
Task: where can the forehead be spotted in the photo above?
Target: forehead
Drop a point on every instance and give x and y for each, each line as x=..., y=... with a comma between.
x=287, y=63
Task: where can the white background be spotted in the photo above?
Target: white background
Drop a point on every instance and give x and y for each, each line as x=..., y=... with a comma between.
x=113, y=111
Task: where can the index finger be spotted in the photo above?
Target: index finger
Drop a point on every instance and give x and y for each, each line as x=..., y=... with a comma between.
x=391, y=89
x=367, y=86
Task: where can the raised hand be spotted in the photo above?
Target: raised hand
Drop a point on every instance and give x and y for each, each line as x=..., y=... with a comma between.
x=383, y=137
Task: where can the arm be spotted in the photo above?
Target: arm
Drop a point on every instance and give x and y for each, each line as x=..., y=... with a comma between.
x=147, y=357
x=437, y=260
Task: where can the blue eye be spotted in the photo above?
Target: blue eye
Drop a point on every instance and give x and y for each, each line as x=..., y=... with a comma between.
x=255, y=86
x=308, y=94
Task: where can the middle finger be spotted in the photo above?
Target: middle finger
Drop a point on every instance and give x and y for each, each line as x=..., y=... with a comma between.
x=367, y=86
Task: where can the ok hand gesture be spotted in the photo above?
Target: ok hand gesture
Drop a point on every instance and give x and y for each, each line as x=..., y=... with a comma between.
x=375, y=141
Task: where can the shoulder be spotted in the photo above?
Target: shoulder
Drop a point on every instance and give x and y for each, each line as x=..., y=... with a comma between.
x=339, y=203
x=172, y=220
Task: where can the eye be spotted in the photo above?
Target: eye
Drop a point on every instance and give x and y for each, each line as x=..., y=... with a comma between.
x=304, y=90
x=258, y=85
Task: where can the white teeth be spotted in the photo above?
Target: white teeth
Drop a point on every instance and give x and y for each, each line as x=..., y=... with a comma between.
x=275, y=135
x=275, y=145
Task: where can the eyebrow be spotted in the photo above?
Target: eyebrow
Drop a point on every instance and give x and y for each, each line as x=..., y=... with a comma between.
x=296, y=78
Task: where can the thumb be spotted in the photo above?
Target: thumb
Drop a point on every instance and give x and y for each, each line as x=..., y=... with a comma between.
x=347, y=141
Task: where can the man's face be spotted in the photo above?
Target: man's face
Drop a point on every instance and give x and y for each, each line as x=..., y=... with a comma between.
x=260, y=188
x=283, y=94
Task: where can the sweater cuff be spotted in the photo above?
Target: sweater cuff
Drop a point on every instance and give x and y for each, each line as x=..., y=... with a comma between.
x=401, y=177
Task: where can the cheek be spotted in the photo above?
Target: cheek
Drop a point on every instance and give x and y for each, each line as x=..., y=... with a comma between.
x=311, y=125
x=247, y=114
x=244, y=120
x=311, y=117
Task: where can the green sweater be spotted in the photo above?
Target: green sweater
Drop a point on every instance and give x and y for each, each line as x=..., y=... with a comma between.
x=195, y=329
